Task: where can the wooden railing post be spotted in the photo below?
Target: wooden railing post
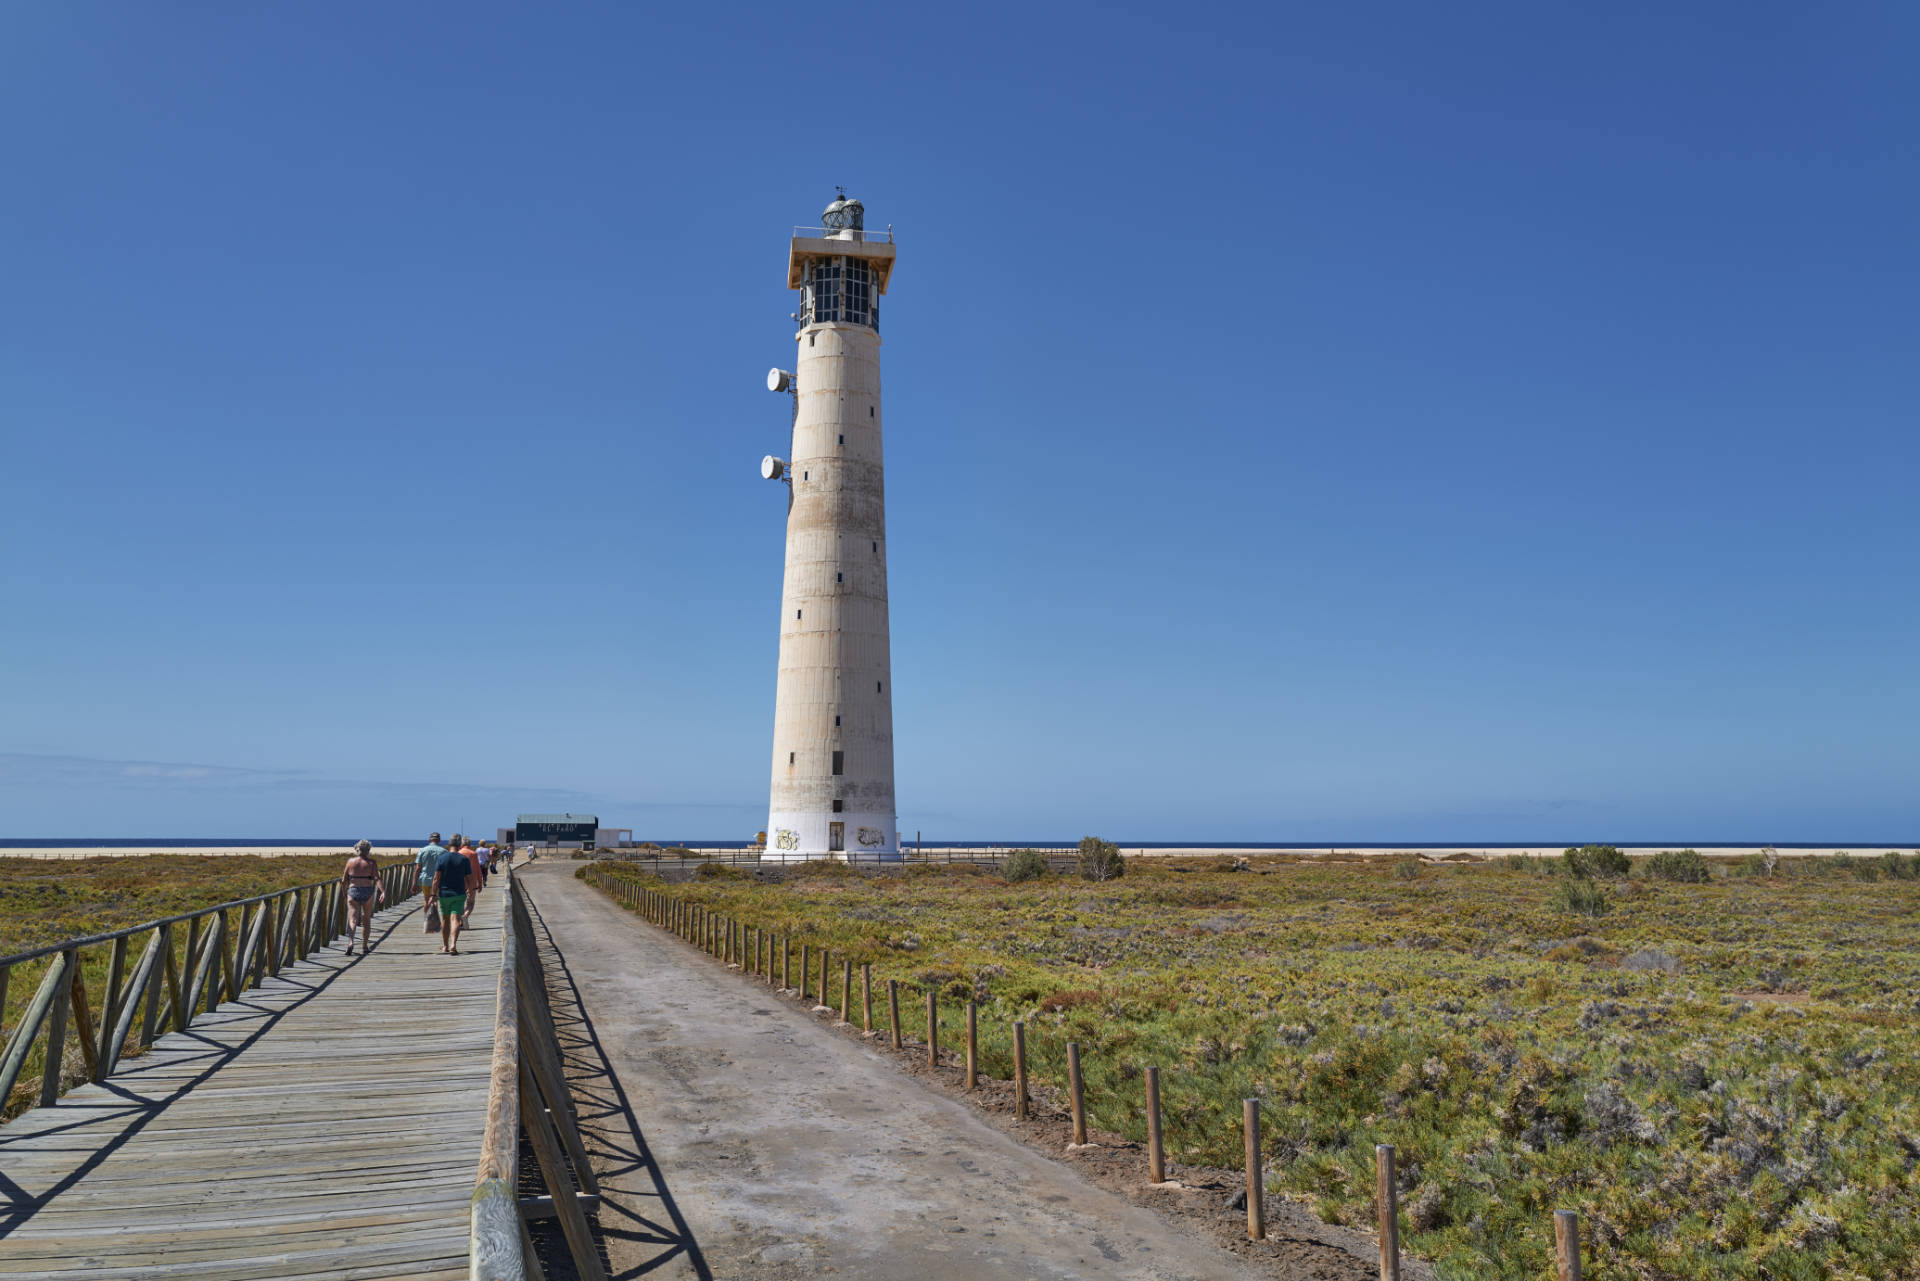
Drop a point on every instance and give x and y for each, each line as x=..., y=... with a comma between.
x=1256, y=1176
x=1387, y=1196
x=893, y=1010
x=149, y=1021
x=1076, y=1095
x=933, y=1029
x=107, y=1052
x=1566, y=1244
x=189, y=962
x=121, y=1025
x=1156, y=1152
x=57, y=1028
x=866, y=997
x=1020, y=1106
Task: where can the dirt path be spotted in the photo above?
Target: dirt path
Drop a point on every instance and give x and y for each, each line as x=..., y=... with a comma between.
x=736, y=1137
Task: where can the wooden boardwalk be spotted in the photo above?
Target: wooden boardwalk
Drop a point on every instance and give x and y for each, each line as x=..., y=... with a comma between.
x=328, y=1125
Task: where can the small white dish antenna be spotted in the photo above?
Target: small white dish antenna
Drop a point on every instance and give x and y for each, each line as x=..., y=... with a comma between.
x=772, y=468
x=779, y=380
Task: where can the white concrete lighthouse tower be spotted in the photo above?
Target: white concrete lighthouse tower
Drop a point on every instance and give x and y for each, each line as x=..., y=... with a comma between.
x=833, y=707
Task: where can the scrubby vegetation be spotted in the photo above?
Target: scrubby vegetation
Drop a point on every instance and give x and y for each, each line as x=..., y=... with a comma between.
x=1686, y=866
x=1720, y=1075
x=1024, y=865
x=1100, y=860
x=1587, y=861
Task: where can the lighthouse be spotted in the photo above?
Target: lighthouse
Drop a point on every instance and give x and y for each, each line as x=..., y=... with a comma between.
x=832, y=793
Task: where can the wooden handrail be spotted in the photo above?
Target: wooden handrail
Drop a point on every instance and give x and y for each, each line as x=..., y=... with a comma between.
x=528, y=1093
x=494, y=1245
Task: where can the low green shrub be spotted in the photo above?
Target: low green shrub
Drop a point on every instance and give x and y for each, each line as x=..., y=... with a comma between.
x=1578, y=896
x=1407, y=869
x=1595, y=860
x=1678, y=865
x=1024, y=865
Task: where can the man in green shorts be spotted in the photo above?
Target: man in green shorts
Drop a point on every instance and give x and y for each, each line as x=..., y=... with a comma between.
x=450, y=877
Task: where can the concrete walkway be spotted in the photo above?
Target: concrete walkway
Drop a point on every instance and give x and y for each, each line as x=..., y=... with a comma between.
x=738, y=1138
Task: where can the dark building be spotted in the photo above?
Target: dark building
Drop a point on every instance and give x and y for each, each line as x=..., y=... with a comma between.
x=538, y=829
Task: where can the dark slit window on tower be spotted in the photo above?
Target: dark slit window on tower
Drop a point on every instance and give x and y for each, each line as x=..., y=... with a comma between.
x=796, y=613
x=836, y=722
x=843, y=440
x=876, y=547
x=789, y=758
x=869, y=411
x=839, y=762
x=836, y=807
x=876, y=687
x=839, y=578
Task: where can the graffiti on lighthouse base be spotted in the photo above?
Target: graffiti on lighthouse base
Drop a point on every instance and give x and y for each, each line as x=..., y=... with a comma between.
x=871, y=836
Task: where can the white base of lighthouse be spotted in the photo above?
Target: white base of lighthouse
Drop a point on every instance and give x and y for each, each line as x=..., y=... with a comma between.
x=795, y=837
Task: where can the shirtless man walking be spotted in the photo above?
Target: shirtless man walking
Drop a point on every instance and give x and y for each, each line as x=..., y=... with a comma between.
x=362, y=882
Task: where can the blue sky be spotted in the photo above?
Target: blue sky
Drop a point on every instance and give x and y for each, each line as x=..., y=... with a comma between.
x=1304, y=423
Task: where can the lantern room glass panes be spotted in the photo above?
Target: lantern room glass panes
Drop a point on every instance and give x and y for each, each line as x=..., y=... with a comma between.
x=840, y=291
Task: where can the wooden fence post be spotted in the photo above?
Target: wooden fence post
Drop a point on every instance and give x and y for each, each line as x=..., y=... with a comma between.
x=933, y=1028
x=107, y=1051
x=1566, y=1243
x=846, y=989
x=1077, y=1094
x=1020, y=1070
x=1387, y=1194
x=866, y=997
x=806, y=964
x=893, y=1010
x=1156, y=1150
x=1256, y=1177
x=57, y=1027
x=786, y=962
x=973, y=1044
x=150, y=1017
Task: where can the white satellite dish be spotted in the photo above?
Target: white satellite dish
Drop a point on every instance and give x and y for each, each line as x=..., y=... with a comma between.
x=772, y=468
x=779, y=380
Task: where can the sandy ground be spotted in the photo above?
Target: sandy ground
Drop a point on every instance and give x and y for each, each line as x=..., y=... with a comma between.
x=738, y=1135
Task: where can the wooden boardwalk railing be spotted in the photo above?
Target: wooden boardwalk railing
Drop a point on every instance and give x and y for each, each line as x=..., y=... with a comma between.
x=274, y=929
x=322, y=1121
x=528, y=1094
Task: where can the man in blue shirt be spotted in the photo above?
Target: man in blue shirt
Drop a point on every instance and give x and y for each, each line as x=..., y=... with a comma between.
x=450, y=877
x=424, y=861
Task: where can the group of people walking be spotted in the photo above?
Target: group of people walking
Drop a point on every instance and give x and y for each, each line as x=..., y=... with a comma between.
x=450, y=878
